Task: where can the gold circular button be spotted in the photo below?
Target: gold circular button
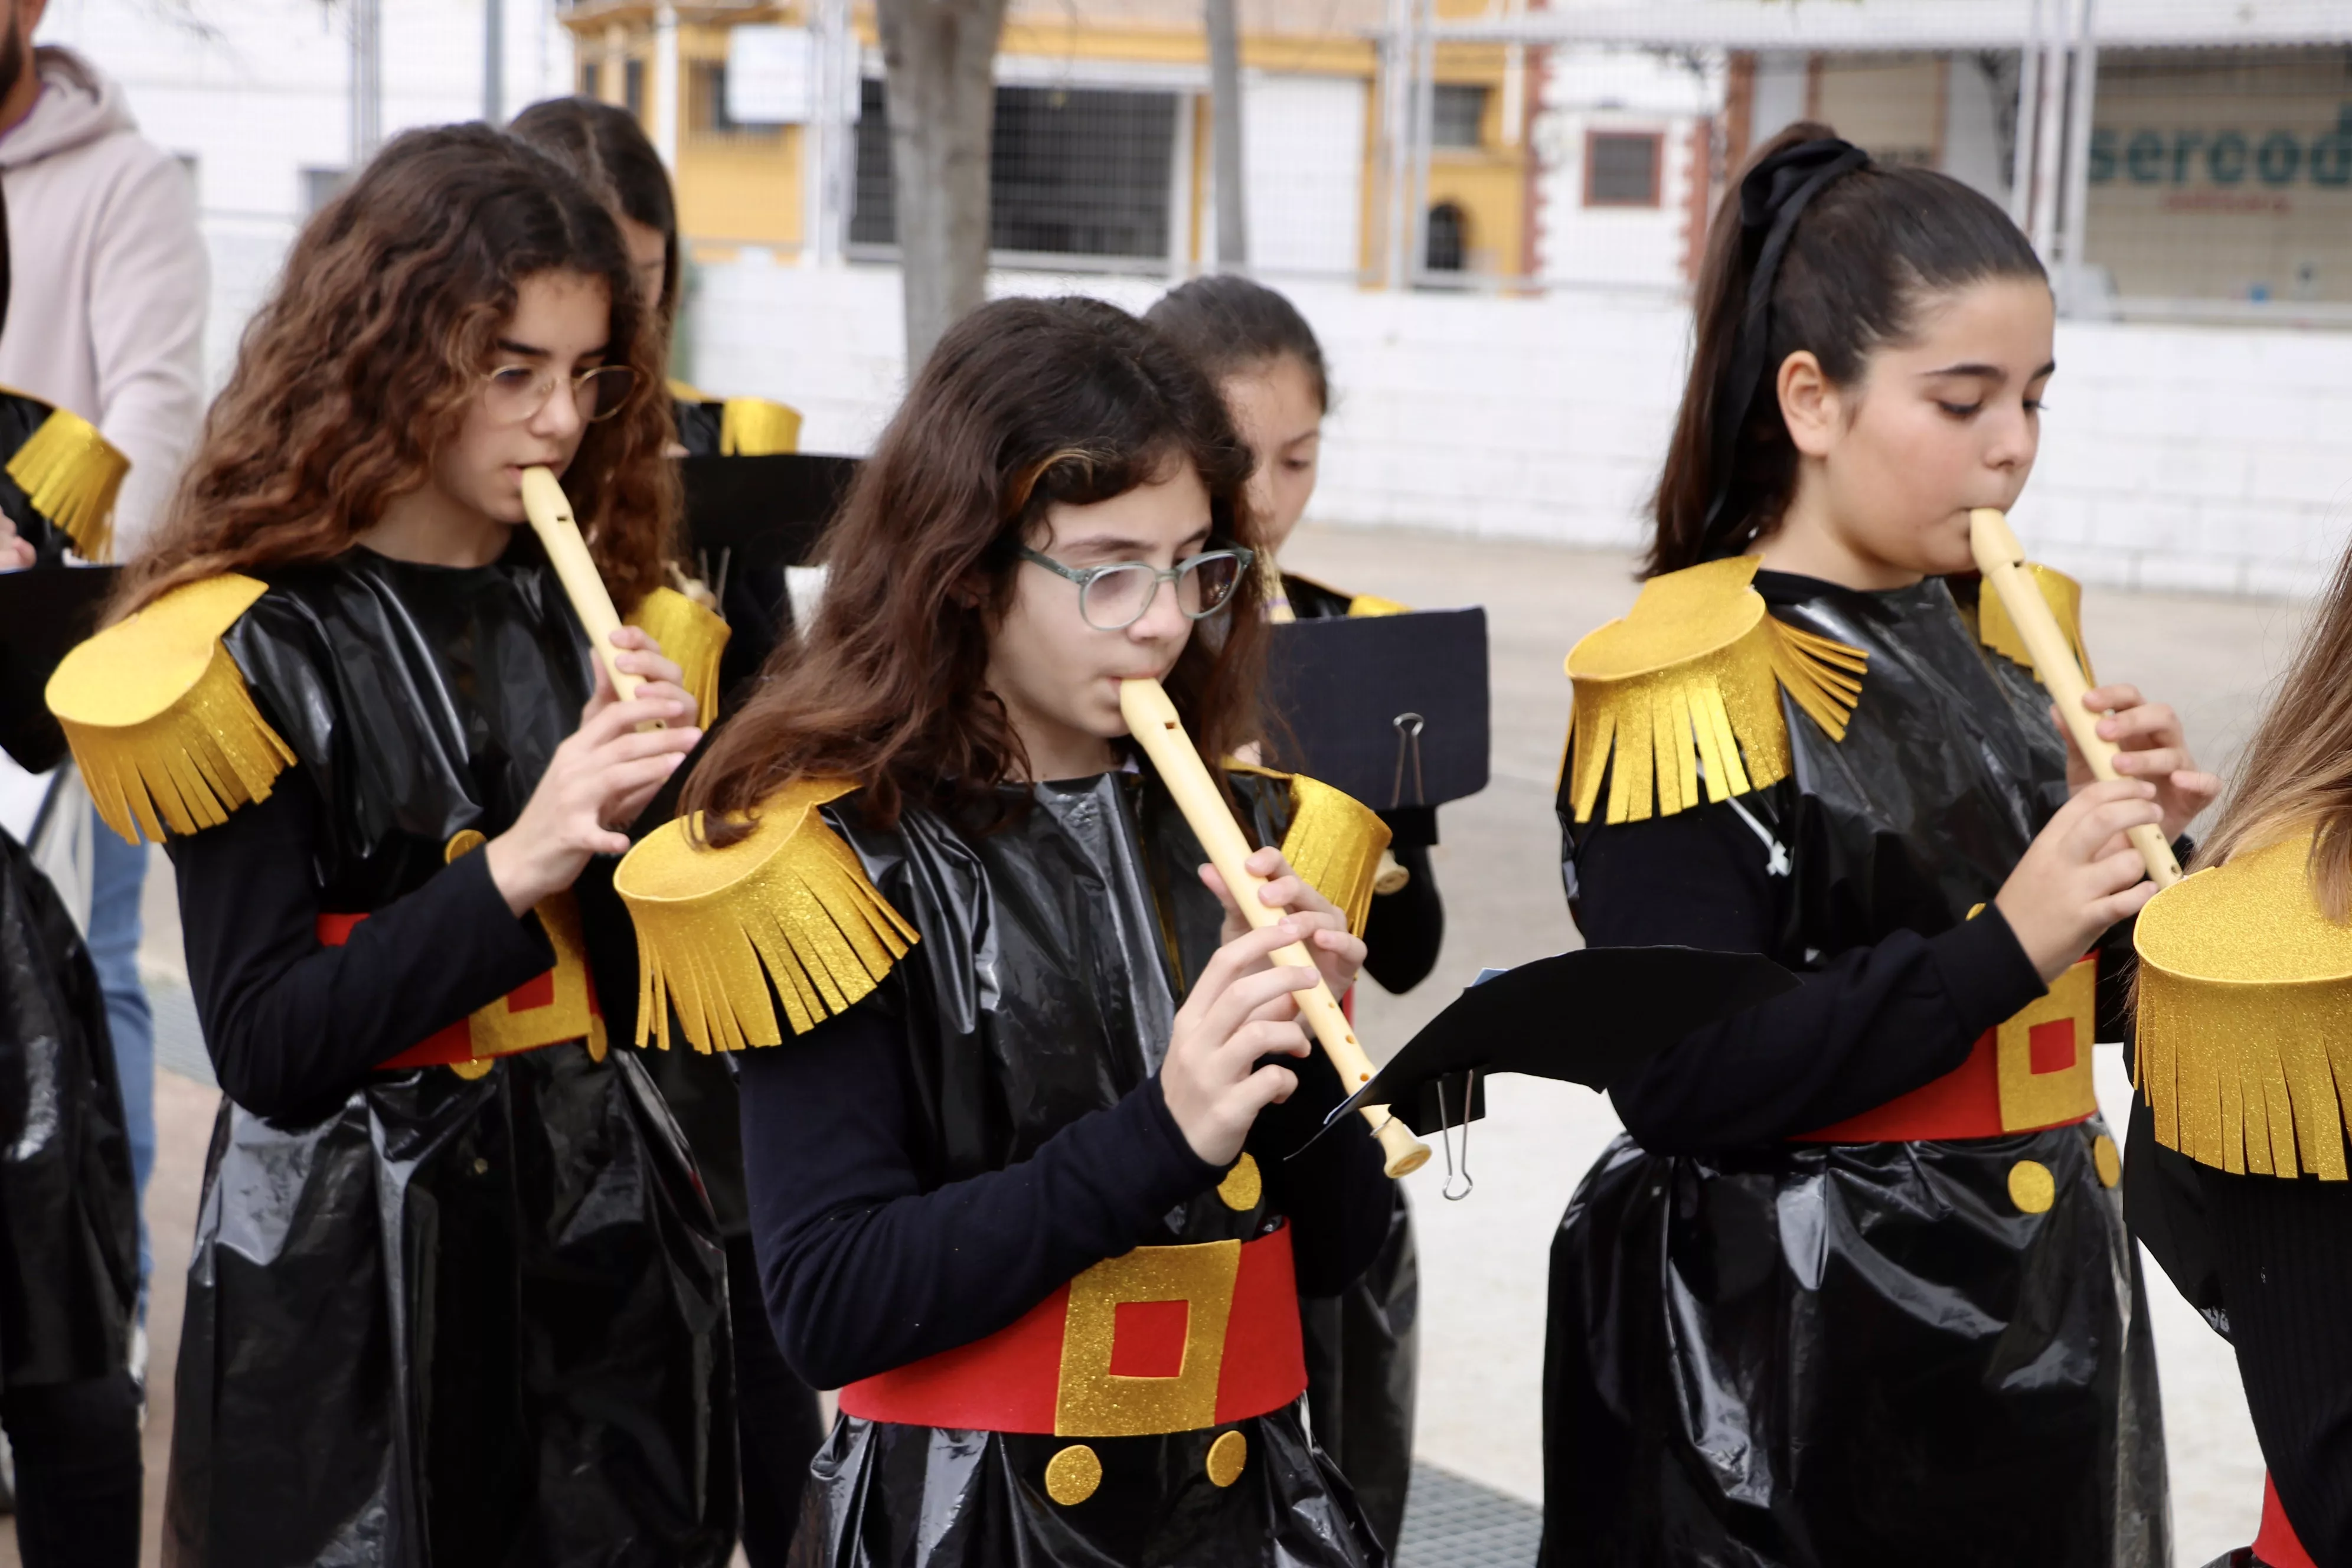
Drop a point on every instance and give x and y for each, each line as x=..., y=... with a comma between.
x=1072, y=1474
x=1227, y=1455
x=2109, y=1162
x=2030, y=1187
x=464, y=841
x=1242, y=1185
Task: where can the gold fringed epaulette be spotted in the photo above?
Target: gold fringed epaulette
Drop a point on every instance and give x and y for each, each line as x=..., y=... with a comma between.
x=1683, y=693
x=789, y=907
x=2065, y=596
x=692, y=637
x=1334, y=842
x=71, y=475
x=755, y=428
x=2245, y=1017
x=1373, y=605
x=166, y=734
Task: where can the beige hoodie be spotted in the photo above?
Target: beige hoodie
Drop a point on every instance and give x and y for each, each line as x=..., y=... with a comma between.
x=106, y=309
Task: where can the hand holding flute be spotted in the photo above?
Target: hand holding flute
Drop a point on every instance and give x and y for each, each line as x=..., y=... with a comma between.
x=635, y=731
x=2072, y=884
x=1225, y=996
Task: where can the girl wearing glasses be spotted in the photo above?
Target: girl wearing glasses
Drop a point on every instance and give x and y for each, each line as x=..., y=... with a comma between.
x=1015, y=1151
x=456, y=1294
x=1362, y=1346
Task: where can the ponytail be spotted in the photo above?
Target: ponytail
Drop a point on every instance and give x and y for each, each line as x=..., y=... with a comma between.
x=1815, y=248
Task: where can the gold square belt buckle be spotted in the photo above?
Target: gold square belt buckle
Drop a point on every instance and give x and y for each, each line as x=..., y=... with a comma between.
x=2044, y=1054
x=1144, y=1342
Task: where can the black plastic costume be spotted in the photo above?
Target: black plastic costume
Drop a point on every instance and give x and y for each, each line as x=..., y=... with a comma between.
x=1035, y=1002
x=1813, y=1354
x=435, y=1314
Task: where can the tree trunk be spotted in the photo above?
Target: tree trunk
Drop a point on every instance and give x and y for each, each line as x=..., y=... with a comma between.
x=939, y=56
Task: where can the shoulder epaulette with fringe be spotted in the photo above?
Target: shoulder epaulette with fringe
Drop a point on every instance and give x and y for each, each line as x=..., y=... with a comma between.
x=788, y=907
x=1373, y=605
x=1334, y=842
x=2065, y=596
x=2245, y=1017
x=159, y=717
x=1684, y=694
x=72, y=474
x=691, y=636
x=756, y=428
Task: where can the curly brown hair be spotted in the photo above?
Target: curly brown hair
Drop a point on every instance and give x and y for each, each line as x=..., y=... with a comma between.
x=1025, y=405
x=363, y=361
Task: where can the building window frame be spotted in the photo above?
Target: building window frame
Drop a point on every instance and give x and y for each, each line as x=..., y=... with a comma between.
x=1443, y=122
x=1593, y=137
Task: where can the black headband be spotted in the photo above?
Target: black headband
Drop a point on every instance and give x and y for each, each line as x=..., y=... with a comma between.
x=1771, y=198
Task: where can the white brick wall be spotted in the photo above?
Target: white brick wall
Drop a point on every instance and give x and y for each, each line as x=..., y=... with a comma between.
x=2211, y=459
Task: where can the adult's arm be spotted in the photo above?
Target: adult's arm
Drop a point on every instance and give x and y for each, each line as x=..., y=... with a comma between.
x=293, y=1025
x=1866, y=1025
x=866, y=1265
x=148, y=284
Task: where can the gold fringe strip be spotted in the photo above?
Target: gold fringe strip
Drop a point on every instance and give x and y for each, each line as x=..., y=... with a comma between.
x=1710, y=723
x=1823, y=675
x=1334, y=843
x=160, y=722
x=1373, y=605
x=71, y=475
x=789, y=907
x=755, y=428
x=2064, y=597
x=2245, y=1017
x=691, y=635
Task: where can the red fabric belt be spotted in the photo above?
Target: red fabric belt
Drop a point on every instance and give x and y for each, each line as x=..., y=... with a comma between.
x=1166, y=1339
x=2276, y=1543
x=2032, y=1072
x=553, y=1007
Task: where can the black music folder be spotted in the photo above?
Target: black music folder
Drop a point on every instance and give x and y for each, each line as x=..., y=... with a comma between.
x=1391, y=708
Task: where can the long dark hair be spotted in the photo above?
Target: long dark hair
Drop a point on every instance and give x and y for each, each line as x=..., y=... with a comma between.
x=1024, y=405
x=1231, y=325
x=603, y=145
x=1868, y=248
x=363, y=362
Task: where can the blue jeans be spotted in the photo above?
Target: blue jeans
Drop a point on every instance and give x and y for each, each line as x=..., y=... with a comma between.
x=118, y=874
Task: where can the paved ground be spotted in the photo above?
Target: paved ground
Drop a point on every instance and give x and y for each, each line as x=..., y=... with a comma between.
x=1482, y=1259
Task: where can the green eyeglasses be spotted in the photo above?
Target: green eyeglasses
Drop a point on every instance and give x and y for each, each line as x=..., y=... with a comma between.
x=1114, y=597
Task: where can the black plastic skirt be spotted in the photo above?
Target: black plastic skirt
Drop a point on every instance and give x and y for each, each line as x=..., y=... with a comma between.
x=454, y=1323
x=1817, y=1355
x=68, y=1225
x=882, y=1495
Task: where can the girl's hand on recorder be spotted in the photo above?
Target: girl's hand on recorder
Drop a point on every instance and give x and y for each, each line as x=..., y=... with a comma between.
x=1243, y=1008
x=2080, y=875
x=2155, y=747
x=599, y=780
x=1337, y=955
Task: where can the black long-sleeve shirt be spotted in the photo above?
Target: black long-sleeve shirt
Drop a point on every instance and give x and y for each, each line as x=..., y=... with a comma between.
x=1872, y=1023
x=868, y=1261
x=294, y=1026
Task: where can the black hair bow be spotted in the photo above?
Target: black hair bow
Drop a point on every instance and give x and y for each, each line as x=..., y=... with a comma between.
x=1771, y=198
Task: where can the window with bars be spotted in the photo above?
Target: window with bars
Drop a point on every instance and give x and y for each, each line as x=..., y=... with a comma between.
x=590, y=86
x=1457, y=117
x=633, y=88
x=1072, y=172
x=706, y=107
x=1621, y=168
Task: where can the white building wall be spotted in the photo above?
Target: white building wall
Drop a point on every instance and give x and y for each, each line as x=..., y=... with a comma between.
x=2203, y=459
x=1586, y=89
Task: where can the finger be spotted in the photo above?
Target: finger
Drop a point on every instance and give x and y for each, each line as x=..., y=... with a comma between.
x=2149, y=724
x=1266, y=1037
x=2112, y=699
x=1266, y=861
x=1270, y=1084
x=2124, y=905
x=1215, y=880
x=651, y=667
x=1281, y=892
x=2197, y=785
x=2158, y=761
x=1234, y=959
x=1234, y=1007
x=633, y=638
x=617, y=783
x=1343, y=945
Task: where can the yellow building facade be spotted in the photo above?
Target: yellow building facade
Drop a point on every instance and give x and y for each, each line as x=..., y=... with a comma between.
x=1317, y=117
